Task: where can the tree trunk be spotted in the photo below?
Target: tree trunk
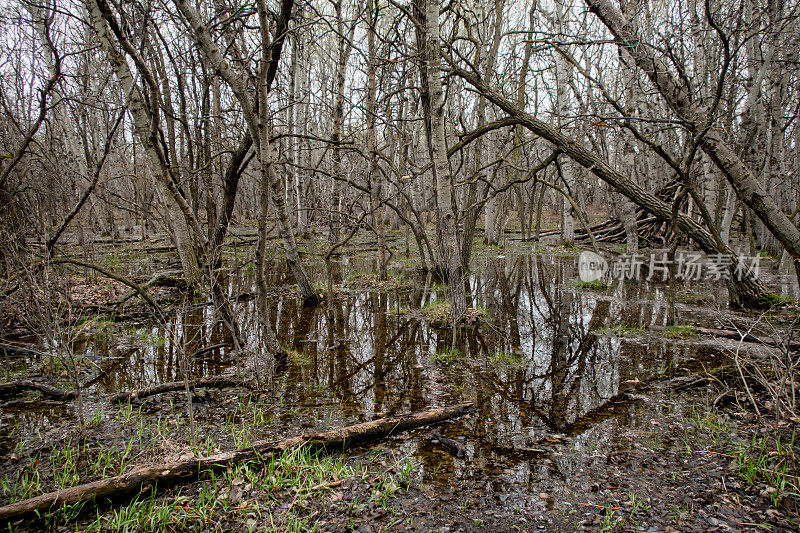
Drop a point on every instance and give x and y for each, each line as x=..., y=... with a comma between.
x=747, y=292
x=14, y=388
x=727, y=217
x=214, y=382
x=677, y=95
x=447, y=234
x=345, y=46
x=257, y=116
x=262, y=301
x=563, y=82
x=146, y=123
x=628, y=208
x=375, y=180
x=300, y=156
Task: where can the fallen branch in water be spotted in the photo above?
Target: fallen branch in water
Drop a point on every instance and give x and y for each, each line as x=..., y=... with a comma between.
x=171, y=278
x=212, y=382
x=740, y=336
x=746, y=336
x=133, y=285
x=6, y=349
x=145, y=477
x=217, y=382
x=16, y=387
x=453, y=447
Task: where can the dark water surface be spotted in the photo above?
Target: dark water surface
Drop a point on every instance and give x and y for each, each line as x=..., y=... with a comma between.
x=550, y=363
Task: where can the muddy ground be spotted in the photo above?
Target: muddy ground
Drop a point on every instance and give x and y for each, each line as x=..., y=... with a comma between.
x=583, y=418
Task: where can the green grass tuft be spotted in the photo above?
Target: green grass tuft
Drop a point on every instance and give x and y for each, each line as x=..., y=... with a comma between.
x=445, y=356
x=680, y=331
x=596, y=285
x=506, y=358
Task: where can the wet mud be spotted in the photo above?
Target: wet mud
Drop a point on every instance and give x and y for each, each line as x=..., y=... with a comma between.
x=576, y=425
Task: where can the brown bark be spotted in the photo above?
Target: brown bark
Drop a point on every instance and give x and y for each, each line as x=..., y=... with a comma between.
x=16, y=387
x=748, y=291
x=212, y=382
x=448, y=238
x=712, y=140
x=230, y=186
x=144, y=477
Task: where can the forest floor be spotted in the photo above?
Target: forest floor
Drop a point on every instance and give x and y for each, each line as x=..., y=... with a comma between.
x=653, y=456
x=708, y=471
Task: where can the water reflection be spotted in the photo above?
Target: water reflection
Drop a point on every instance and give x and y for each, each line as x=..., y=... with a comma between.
x=541, y=364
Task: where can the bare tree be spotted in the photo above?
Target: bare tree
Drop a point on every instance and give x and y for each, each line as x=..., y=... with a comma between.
x=700, y=120
x=447, y=236
x=257, y=115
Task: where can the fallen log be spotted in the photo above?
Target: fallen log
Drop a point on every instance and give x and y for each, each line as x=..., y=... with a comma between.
x=745, y=337
x=169, y=278
x=112, y=363
x=715, y=375
x=739, y=336
x=6, y=349
x=212, y=382
x=16, y=387
x=22, y=403
x=133, y=285
x=649, y=228
x=690, y=381
x=146, y=477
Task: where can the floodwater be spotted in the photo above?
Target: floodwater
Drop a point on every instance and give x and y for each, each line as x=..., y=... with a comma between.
x=550, y=363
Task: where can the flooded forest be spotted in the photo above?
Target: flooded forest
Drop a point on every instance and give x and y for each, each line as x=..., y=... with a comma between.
x=399, y=265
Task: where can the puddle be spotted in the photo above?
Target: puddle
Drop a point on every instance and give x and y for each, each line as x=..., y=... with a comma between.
x=551, y=369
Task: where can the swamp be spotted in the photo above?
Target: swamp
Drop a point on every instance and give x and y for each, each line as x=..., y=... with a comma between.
x=301, y=265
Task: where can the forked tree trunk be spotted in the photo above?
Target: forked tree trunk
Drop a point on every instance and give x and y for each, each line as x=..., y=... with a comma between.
x=256, y=117
x=185, y=230
x=447, y=235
